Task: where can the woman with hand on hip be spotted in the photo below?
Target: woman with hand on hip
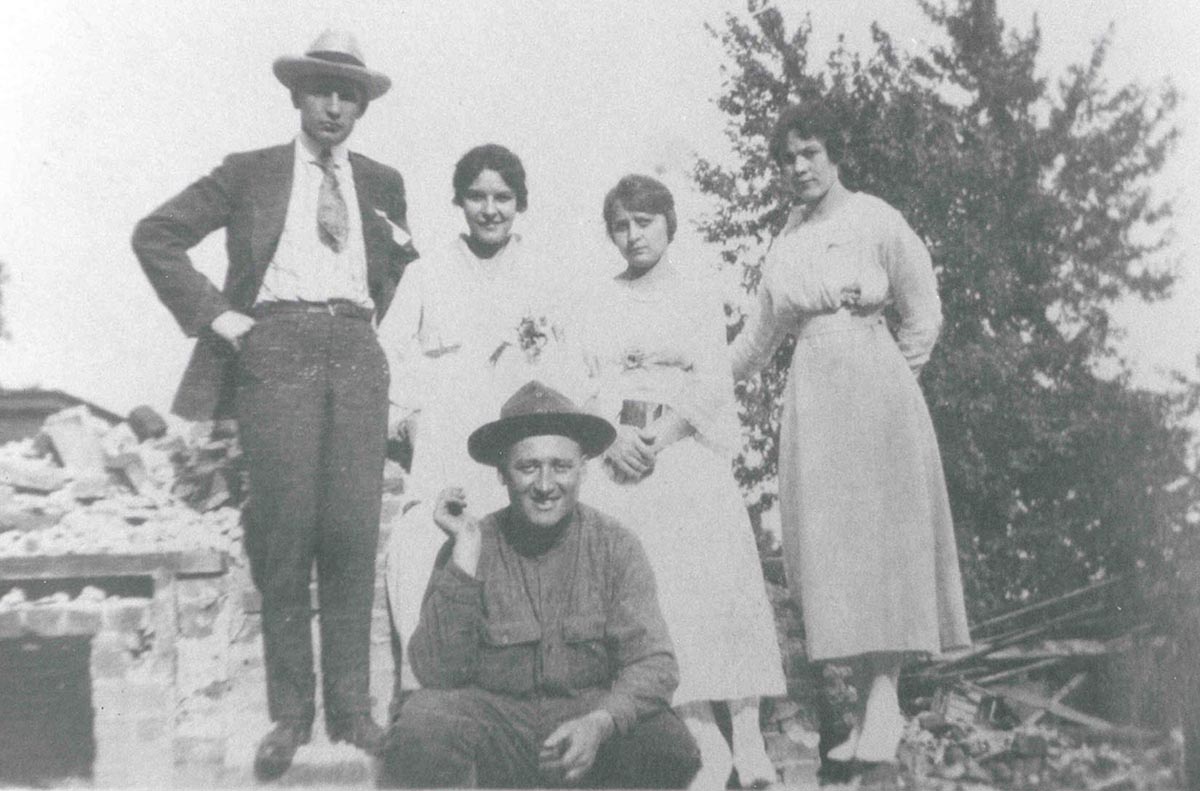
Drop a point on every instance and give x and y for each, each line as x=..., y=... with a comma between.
x=868, y=539
x=654, y=343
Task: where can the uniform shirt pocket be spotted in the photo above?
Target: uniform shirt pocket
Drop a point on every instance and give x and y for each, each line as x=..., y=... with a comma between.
x=508, y=656
x=586, y=653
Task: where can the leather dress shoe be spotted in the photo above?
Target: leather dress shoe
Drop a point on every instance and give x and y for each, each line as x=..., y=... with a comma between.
x=276, y=750
x=361, y=730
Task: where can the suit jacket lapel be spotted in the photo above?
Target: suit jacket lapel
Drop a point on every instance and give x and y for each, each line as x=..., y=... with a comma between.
x=272, y=190
x=374, y=227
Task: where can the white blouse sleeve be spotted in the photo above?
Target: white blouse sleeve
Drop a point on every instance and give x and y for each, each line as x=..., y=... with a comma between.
x=913, y=287
x=705, y=398
x=760, y=335
x=399, y=337
x=575, y=367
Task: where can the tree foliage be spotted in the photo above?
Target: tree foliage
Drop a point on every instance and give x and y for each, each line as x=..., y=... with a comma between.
x=1035, y=202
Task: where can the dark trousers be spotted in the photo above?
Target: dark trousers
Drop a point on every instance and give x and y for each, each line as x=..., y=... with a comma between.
x=446, y=738
x=312, y=418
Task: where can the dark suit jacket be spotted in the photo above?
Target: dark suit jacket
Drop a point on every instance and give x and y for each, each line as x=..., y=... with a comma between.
x=248, y=195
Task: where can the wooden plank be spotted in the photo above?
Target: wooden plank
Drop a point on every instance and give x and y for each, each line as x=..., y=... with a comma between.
x=128, y=565
x=1011, y=639
x=1050, y=707
x=1094, y=615
x=1078, y=647
x=1042, y=605
x=1122, y=781
x=1058, y=697
x=201, y=563
x=1064, y=711
x=1018, y=671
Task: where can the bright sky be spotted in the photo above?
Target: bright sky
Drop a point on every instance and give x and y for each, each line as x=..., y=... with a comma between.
x=116, y=106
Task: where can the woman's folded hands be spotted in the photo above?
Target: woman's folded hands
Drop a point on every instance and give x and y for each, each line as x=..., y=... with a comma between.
x=631, y=456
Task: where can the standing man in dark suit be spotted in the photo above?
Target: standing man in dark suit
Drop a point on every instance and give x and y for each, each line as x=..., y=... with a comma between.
x=317, y=240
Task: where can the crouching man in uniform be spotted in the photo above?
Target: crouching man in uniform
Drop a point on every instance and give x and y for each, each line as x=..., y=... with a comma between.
x=542, y=654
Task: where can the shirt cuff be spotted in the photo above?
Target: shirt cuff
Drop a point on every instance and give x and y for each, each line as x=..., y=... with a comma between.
x=622, y=709
x=457, y=585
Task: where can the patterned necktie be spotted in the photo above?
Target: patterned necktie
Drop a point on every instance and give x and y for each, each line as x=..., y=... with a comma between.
x=333, y=219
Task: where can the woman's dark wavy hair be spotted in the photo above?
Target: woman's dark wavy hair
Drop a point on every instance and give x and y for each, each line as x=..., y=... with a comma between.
x=641, y=193
x=809, y=120
x=491, y=156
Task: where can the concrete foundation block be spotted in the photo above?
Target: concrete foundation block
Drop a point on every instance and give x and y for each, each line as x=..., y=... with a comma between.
x=84, y=620
x=111, y=657
x=45, y=621
x=129, y=700
x=200, y=602
x=122, y=615
x=12, y=624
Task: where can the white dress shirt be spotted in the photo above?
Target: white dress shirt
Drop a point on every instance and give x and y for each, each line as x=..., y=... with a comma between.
x=303, y=267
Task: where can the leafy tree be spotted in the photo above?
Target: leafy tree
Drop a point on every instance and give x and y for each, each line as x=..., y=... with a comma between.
x=1035, y=203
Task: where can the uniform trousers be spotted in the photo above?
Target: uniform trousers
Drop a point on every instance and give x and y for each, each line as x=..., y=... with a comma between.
x=445, y=738
x=312, y=420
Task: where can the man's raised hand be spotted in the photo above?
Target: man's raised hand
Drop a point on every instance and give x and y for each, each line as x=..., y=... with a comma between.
x=451, y=515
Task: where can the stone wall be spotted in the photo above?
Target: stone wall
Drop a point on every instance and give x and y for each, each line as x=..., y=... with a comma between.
x=159, y=665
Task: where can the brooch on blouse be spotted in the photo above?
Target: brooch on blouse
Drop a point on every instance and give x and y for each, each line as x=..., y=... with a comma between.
x=532, y=335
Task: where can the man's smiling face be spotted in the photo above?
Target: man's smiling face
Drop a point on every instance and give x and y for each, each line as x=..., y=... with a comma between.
x=543, y=475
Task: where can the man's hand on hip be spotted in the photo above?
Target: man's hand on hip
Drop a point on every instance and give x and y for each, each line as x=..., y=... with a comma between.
x=232, y=325
x=568, y=754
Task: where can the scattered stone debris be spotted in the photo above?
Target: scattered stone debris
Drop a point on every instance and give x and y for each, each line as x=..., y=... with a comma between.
x=146, y=423
x=83, y=487
x=943, y=752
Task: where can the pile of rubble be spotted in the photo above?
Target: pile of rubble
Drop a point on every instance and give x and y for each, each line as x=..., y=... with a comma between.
x=949, y=751
x=1032, y=703
x=84, y=487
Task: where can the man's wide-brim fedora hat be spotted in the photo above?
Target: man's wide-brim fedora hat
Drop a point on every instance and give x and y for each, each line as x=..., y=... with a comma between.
x=536, y=410
x=335, y=53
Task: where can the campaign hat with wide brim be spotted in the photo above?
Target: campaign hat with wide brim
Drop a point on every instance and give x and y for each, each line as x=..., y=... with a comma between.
x=335, y=53
x=537, y=410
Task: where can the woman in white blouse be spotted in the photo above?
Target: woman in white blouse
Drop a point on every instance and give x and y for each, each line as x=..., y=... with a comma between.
x=867, y=533
x=654, y=341
x=470, y=323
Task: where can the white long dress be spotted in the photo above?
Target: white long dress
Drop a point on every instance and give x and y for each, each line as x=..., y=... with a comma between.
x=451, y=336
x=868, y=538
x=661, y=339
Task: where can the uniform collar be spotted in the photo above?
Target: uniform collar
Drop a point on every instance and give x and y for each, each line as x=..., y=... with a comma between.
x=536, y=543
